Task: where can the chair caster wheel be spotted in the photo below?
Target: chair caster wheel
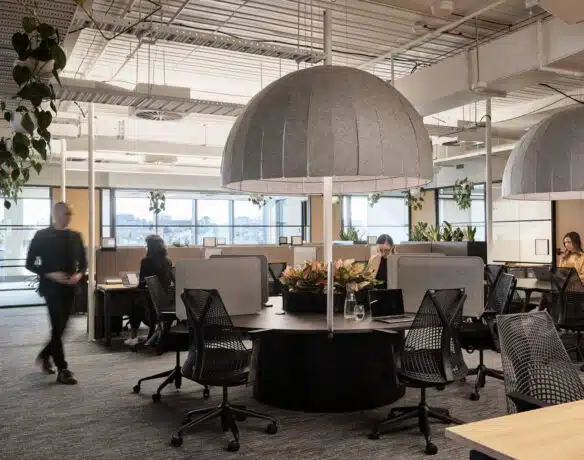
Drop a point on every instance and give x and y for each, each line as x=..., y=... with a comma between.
x=206, y=393
x=431, y=449
x=374, y=435
x=241, y=418
x=233, y=446
x=475, y=396
x=462, y=380
x=440, y=387
x=176, y=441
x=136, y=389
x=156, y=397
x=272, y=428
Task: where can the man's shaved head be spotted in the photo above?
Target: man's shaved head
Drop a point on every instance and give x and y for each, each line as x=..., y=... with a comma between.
x=61, y=214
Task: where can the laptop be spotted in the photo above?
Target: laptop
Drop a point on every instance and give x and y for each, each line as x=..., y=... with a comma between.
x=130, y=279
x=542, y=273
x=387, y=306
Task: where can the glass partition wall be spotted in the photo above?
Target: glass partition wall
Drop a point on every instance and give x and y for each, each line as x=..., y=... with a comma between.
x=449, y=211
x=188, y=218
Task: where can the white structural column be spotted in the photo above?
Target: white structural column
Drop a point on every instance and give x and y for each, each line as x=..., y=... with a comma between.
x=488, y=179
x=91, y=242
x=63, y=170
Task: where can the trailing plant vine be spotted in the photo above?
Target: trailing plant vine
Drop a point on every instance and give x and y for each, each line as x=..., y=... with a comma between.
x=40, y=56
x=462, y=193
x=414, y=200
x=373, y=198
x=258, y=199
x=157, y=201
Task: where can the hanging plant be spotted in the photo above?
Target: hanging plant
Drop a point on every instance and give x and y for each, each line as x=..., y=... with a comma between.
x=39, y=58
x=258, y=199
x=157, y=201
x=373, y=198
x=462, y=192
x=414, y=200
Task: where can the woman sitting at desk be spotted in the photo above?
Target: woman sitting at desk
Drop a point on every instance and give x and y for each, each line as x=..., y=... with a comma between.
x=571, y=257
x=378, y=262
x=156, y=263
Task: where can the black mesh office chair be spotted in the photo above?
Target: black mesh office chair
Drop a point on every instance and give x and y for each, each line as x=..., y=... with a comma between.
x=492, y=274
x=168, y=336
x=275, y=270
x=431, y=357
x=481, y=334
x=538, y=371
x=567, y=306
x=217, y=357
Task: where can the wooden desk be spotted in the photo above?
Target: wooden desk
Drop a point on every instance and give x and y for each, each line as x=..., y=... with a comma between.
x=300, y=367
x=108, y=290
x=531, y=285
x=544, y=434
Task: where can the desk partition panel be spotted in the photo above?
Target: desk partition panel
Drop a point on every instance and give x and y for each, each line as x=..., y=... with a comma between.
x=414, y=275
x=264, y=272
x=238, y=280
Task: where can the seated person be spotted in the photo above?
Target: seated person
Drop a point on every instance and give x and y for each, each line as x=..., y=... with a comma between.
x=156, y=263
x=378, y=262
x=571, y=257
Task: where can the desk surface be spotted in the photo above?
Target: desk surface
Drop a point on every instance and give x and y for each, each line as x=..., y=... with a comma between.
x=550, y=433
x=272, y=318
x=533, y=284
x=115, y=287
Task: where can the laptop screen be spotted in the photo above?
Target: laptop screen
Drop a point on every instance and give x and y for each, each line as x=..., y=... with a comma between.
x=386, y=302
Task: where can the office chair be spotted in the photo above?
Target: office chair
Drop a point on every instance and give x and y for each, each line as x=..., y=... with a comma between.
x=567, y=306
x=275, y=271
x=492, y=274
x=481, y=334
x=431, y=357
x=166, y=337
x=538, y=371
x=217, y=357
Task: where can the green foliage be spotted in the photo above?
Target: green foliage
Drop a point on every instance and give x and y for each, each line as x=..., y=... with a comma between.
x=39, y=57
x=352, y=234
x=414, y=201
x=469, y=233
x=258, y=199
x=458, y=234
x=420, y=232
x=462, y=192
x=373, y=198
x=157, y=201
x=447, y=231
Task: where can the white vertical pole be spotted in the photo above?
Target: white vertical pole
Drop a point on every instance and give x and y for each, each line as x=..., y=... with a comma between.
x=91, y=243
x=63, y=170
x=488, y=180
x=327, y=182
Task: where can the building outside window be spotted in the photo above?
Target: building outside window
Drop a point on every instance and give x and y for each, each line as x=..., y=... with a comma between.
x=389, y=215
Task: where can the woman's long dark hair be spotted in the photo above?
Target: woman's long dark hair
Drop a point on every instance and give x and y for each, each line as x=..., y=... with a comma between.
x=575, y=239
x=156, y=251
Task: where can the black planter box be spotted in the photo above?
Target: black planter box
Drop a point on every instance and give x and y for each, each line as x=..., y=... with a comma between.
x=308, y=302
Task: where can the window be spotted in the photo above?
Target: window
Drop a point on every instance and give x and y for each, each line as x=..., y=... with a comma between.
x=134, y=222
x=106, y=213
x=175, y=223
x=213, y=219
x=448, y=210
x=18, y=225
x=251, y=224
x=389, y=215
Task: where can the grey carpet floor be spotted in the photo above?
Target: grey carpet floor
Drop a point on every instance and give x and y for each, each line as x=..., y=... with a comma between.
x=102, y=419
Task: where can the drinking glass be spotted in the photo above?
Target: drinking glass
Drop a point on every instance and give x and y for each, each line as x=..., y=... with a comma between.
x=359, y=312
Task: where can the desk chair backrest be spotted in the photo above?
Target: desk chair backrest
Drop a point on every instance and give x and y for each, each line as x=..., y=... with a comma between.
x=567, y=305
x=217, y=350
x=492, y=274
x=432, y=350
x=275, y=270
x=535, y=362
x=502, y=294
x=158, y=296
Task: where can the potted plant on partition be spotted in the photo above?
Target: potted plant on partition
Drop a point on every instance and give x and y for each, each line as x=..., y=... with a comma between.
x=157, y=204
x=304, y=286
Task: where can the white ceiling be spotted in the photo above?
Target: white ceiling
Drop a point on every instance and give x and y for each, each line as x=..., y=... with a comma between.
x=188, y=43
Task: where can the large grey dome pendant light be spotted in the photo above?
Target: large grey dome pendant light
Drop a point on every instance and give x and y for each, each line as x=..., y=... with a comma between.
x=548, y=162
x=324, y=130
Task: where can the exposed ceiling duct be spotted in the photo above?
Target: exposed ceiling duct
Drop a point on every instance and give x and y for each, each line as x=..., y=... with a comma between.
x=569, y=11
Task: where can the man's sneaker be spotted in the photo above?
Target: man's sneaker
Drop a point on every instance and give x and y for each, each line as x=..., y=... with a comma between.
x=65, y=376
x=132, y=342
x=45, y=364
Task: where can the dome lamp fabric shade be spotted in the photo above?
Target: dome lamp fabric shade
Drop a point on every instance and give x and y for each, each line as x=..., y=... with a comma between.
x=327, y=121
x=548, y=162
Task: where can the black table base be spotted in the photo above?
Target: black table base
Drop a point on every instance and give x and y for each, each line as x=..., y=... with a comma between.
x=311, y=372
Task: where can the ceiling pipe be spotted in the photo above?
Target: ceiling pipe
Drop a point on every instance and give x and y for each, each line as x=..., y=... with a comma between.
x=431, y=35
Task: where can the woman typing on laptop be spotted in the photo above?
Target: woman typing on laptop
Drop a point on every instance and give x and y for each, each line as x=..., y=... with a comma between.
x=378, y=263
x=156, y=263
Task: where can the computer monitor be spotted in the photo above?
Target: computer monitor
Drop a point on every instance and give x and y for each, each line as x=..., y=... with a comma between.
x=283, y=240
x=209, y=242
x=108, y=244
x=296, y=241
x=386, y=302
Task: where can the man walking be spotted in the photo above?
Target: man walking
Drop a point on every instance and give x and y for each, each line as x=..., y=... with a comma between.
x=57, y=255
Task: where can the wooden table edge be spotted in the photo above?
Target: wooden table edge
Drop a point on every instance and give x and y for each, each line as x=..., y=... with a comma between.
x=473, y=445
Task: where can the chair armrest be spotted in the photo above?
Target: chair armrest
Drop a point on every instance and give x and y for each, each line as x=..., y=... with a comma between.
x=525, y=403
x=257, y=331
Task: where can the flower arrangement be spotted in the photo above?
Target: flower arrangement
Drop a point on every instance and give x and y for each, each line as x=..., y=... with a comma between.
x=312, y=277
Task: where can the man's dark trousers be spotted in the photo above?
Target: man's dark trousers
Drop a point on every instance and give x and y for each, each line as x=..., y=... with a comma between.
x=59, y=300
